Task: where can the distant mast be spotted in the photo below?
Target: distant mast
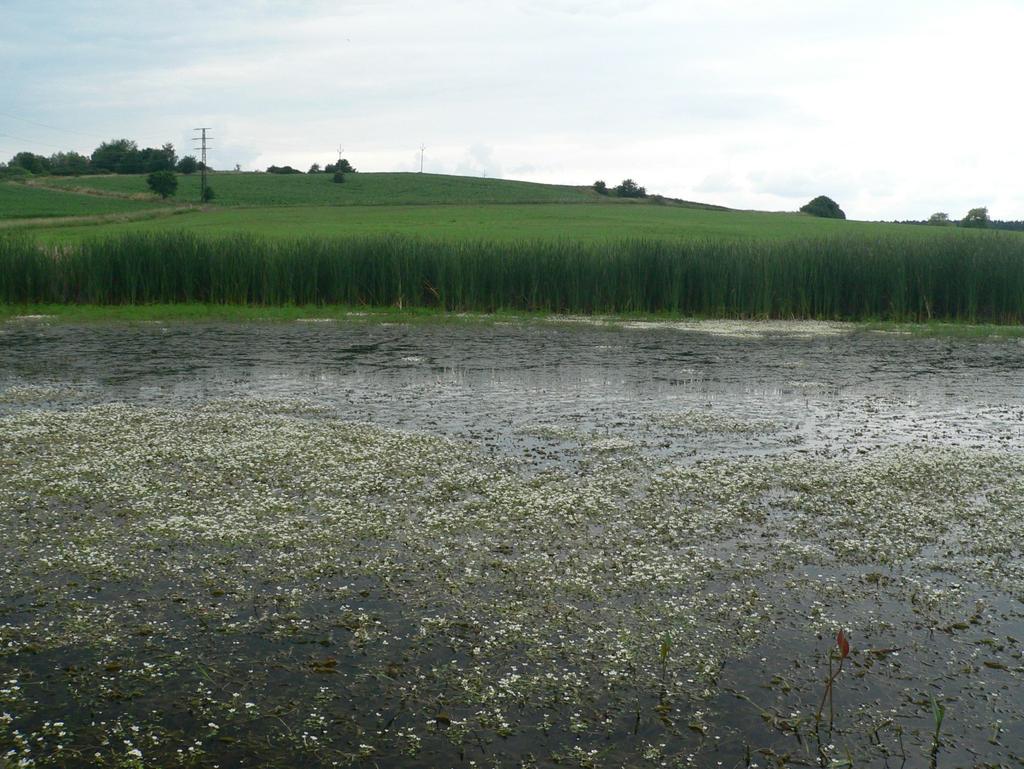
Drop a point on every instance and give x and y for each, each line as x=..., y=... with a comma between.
x=202, y=165
x=423, y=149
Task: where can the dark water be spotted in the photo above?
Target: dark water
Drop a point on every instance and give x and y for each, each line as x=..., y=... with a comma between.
x=845, y=392
x=548, y=397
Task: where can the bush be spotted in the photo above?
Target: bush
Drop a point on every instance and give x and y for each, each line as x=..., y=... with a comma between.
x=630, y=189
x=163, y=183
x=342, y=166
x=283, y=170
x=188, y=165
x=823, y=207
x=14, y=173
x=339, y=177
x=600, y=187
x=207, y=195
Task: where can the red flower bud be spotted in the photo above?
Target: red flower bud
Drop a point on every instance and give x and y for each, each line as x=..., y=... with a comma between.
x=843, y=644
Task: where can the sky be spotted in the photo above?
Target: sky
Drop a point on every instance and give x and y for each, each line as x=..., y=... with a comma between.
x=895, y=109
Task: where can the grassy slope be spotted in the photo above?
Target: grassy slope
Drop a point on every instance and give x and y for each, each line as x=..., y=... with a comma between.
x=258, y=189
x=428, y=205
x=19, y=201
x=498, y=222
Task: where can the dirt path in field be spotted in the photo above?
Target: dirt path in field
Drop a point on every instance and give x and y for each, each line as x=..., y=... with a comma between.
x=92, y=191
x=70, y=221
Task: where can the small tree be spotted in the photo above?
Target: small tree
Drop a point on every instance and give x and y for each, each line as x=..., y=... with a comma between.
x=342, y=166
x=314, y=169
x=207, y=195
x=824, y=207
x=976, y=217
x=163, y=183
x=338, y=178
x=188, y=165
x=600, y=187
x=939, y=219
x=630, y=189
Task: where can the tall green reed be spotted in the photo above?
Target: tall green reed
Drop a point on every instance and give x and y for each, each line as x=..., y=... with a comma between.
x=959, y=277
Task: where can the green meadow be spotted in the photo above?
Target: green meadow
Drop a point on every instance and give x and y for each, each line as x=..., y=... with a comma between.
x=500, y=222
x=424, y=205
x=20, y=201
x=262, y=189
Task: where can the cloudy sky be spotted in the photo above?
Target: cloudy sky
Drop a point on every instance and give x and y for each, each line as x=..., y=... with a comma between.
x=895, y=109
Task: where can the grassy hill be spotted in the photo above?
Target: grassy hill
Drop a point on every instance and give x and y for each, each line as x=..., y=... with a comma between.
x=500, y=222
x=426, y=205
x=20, y=201
x=261, y=189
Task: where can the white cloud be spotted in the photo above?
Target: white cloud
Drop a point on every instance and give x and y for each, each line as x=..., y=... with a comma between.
x=894, y=109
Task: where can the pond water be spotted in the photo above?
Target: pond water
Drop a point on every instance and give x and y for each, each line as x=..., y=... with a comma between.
x=479, y=544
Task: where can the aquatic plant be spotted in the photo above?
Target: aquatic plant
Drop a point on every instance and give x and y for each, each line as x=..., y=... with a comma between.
x=841, y=650
x=938, y=716
x=969, y=278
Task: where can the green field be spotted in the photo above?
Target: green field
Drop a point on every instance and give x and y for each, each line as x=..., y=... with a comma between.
x=588, y=223
x=20, y=201
x=261, y=189
x=422, y=205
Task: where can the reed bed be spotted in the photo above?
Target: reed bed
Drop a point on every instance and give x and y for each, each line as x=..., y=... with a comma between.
x=962, y=278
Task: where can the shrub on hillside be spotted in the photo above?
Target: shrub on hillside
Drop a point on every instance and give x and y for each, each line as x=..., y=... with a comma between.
x=283, y=170
x=600, y=187
x=630, y=189
x=824, y=207
x=339, y=177
x=163, y=183
x=14, y=173
x=188, y=165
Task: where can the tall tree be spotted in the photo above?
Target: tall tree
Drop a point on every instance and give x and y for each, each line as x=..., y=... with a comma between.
x=976, y=217
x=68, y=164
x=115, y=156
x=34, y=164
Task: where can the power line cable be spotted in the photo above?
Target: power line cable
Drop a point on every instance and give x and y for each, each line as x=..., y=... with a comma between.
x=30, y=141
x=92, y=137
x=45, y=125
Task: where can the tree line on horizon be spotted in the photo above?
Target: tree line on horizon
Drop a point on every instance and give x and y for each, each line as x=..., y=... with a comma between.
x=117, y=156
x=976, y=218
